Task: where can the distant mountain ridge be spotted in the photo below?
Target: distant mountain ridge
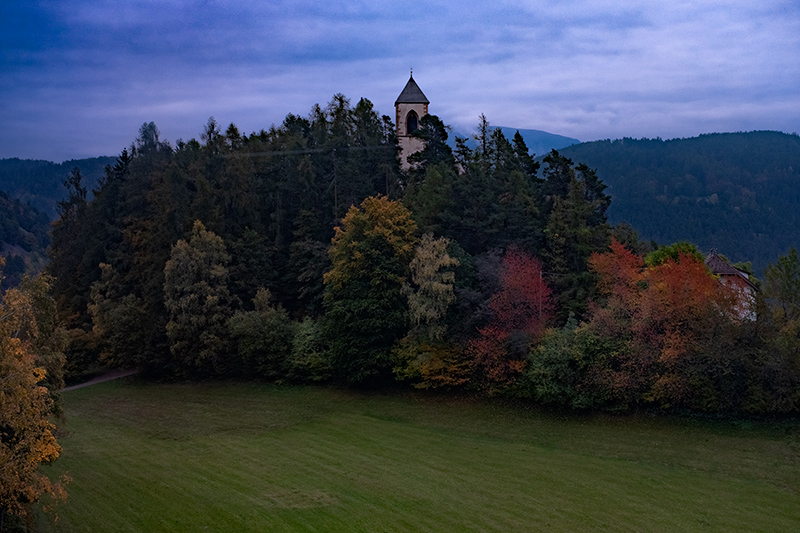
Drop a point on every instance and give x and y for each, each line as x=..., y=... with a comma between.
x=539, y=142
x=736, y=192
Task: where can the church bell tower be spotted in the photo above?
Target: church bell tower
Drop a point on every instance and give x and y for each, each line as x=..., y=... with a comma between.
x=409, y=107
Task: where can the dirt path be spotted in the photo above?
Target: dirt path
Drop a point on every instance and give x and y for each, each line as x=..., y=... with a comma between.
x=108, y=376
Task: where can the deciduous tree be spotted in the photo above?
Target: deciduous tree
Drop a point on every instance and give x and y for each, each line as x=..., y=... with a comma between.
x=364, y=302
x=520, y=311
x=431, y=291
x=199, y=304
x=26, y=405
x=263, y=337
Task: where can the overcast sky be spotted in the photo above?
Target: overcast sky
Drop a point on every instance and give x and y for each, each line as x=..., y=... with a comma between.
x=78, y=78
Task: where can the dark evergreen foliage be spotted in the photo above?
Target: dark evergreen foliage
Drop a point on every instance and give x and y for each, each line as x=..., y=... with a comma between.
x=23, y=239
x=285, y=280
x=273, y=197
x=736, y=192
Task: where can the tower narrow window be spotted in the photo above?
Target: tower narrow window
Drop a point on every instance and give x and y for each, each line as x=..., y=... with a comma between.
x=411, y=122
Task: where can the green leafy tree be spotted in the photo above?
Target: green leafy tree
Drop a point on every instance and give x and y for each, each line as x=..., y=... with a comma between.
x=310, y=360
x=121, y=323
x=782, y=291
x=364, y=300
x=199, y=304
x=672, y=252
x=263, y=337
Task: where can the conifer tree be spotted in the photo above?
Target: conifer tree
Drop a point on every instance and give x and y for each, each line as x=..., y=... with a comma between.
x=576, y=228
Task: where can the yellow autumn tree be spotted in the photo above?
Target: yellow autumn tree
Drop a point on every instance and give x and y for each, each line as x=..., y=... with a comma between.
x=366, y=310
x=26, y=405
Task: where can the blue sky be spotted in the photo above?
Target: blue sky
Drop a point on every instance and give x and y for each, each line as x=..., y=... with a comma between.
x=78, y=78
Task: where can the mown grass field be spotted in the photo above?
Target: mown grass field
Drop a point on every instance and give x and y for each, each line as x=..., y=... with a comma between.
x=247, y=457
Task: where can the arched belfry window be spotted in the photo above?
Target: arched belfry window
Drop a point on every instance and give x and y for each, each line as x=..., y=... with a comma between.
x=412, y=122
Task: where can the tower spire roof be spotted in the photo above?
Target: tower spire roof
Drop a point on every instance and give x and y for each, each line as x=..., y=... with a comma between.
x=412, y=94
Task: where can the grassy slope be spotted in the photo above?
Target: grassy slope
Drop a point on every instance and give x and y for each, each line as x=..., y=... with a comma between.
x=259, y=458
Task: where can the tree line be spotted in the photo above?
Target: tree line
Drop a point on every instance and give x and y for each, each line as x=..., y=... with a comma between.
x=274, y=198
x=304, y=253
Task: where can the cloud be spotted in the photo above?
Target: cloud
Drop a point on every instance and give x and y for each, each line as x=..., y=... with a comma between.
x=80, y=78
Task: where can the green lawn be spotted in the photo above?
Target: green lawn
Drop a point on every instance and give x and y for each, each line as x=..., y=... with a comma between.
x=245, y=457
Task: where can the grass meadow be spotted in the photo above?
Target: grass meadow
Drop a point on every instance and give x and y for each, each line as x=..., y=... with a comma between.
x=249, y=457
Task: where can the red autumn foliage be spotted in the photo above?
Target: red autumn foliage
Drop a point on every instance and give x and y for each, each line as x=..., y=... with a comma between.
x=524, y=300
x=658, y=318
x=618, y=271
x=490, y=358
x=521, y=310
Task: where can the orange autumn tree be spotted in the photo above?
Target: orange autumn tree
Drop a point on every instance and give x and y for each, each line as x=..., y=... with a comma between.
x=520, y=312
x=664, y=318
x=621, y=372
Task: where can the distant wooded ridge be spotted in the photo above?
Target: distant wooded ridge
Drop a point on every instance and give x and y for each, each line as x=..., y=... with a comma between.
x=41, y=183
x=736, y=192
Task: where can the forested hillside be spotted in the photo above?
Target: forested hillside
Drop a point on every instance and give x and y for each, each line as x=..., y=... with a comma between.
x=41, y=183
x=23, y=238
x=304, y=253
x=248, y=221
x=737, y=192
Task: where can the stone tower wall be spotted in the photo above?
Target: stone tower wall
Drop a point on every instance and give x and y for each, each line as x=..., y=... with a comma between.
x=408, y=144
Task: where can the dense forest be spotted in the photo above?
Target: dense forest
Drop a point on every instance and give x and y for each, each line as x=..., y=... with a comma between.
x=41, y=183
x=737, y=192
x=24, y=239
x=304, y=253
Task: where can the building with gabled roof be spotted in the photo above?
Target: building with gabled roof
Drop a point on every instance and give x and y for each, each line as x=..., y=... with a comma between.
x=738, y=280
x=409, y=107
